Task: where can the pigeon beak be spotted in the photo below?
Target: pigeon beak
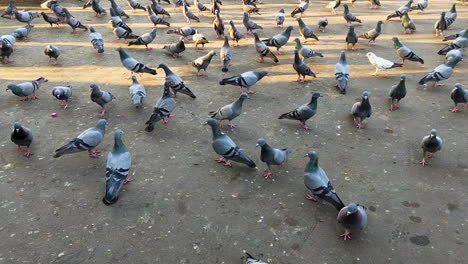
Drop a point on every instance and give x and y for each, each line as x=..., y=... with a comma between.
x=17, y=130
x=206, y=123
x=256, y=145
x=306, y=155
x=365, y=97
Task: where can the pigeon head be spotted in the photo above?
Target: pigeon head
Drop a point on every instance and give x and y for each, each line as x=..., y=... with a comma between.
x=433, y=133
x=245, y=14
x=281, y=10
x=316, y=95
x=92, y=29
x=94, y=86
x=212, y=122
x=57, y=92
x=231, y=23
x=134, y=78
x=18, y=126
x=346, y=8
x=365, y=95
x=396, y=42
x=403, y=77
x=260, y=142
x=343, y=56
x=352, y=208
x=244, y=96
x=380, y=22
x=288, y=30
x=370, y=55
x=162, y=66
x=458, y=86
x=453, y=9
x=442, y=15
x=262, y=74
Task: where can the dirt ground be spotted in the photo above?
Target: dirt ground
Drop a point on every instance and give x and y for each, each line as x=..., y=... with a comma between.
x=185, y=208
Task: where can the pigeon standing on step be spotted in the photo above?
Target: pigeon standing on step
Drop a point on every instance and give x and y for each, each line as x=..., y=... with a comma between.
x=451, y=16
x=279, y=17
x=73, y=22
x=144, y=39
x=381, y=63
x=408, y=24
x=9, y=10
x=185, y=32
x=225, y=55
x=459, y=42
x=202, y=62
x=218, y=25
x=421, y=5
x=249, y=25
x=133, y=65
x=430, y=144
x=188, y=14
x=397, y=93
x=401, y=10
x=306, y=31
x=135, y=5
x=279, y=40
x=53, y=52
x=301, y=68
x=303, y=112
x=440, y=25
x=322, y=24
x=118, y=9
x=301, y=8
x=155, y=19
x=5, y=52
x=351, y=38
x=440, y=73
x=96, y=40
x=235, y=34
x=199, y=39
x=349, y=17
x=97, y=8
x=25, y=17
x=263, y=50
x=404, y=52
x=22, y=136
x=305, y=51
x=373, y=34
x=51, y=19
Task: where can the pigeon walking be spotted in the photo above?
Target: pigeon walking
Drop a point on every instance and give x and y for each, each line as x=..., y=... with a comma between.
x=440, y=73
x=263, y=50
x=408, y=24
x=249, y=25
x=176, y=83
x=202, y=62
x=349, y=17
x=96, y=6
x=397, y=93
x=301, y=8
x=375, y=4
x=306, y=31
x=22, y=32
x=62, y=93
x=25, y=17
x=155, y=19
x=454, y=36
x=22, y=136
x=430, y=144
x=235, y=34
x=373, y=34
x=162, y=110
x=322, y=23
x=118, y=9
x=225, y=55
x=459, y=43
x=5, y=52
x=342, y=73
x=96, y=40
x=218, y=25
x=279, y=17
x=401, y=10
x=404, y=52
x=421, y=5
x=73, y=22
x=116, y=21
x=303, y=112
x=53, y=52
x=451, y=16
x=301, y=68
x=200, y=6
x=361, y=110
x=100, y=97
x=381, y=63
x=272, y=156
x=144, y=39
x=133, y=65
x=185, y=32
x=279, y=40
x=305, y=51
x=199, y=39
x=26, y=89
x=121, y=32
x=351, y=38
x=51, y=19
x=229, y=112
x=245, y=80
x=440, y=25
x=158, y=9
x=138, y=92
x=175, y=49
x=135, y=5
x=188, y=14
x=334, y=4
x=459, y=96
x=352, y=217
x=9, y=10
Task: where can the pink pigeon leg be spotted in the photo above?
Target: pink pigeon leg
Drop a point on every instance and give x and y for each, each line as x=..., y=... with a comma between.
x=94, y=154
x=7, y=61
x=396, y=106
x=28, y=153
x=19, y=149
x=128, y=180
x=311, y=198
x=346, y=235
x=304, y=126
x=267, y=175
x=149, y=48
x=73, y=32
x=34, y=96
x=423, y=162
x=24, y=98
x=220, y=160
x=431, y=154
x=103, y=112
x=250, y=92
x=231, y=125
x=227, y=164
x=454, y=109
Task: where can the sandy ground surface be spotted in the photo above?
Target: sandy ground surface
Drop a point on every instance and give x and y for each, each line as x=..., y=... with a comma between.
x=185, y=208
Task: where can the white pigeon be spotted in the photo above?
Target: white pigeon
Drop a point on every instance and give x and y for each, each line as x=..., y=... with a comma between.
x=381, y=63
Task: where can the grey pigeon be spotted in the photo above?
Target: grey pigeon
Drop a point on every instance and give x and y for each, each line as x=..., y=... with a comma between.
x=248, y=259
x=440, y=25
x=162, y=110
x=26, y=89
x=249, y=24
x=56, y=8
x=375, y=4
x=440, y=73
x=342, y=73
x=455, y=53
x=25, y=17
x=322, y=23
x=351, y=38
x=454, y=36
x=279, y=17
x=460, y=42
x=199, y=39
x=116, y=21
x=301, y=8
x=88, y=140
x=361, y=110
x=228, y=149
x=230, y=111
x=218, y=26
x=135, y=5
x=119, y=161
x=188, y=14
x=301, y=68
x=100, y=97
x=451, y=16
x=138, y=92
x=156, y=20
x=225, y=55
x=158, y=9
x=144, y=39
x=279, y=40
x=62, y=93
x=96, y=6
x=349, y=17
x=73, y=22
x=118, y=9
x=459, y=96
x=51, y=19
x=53, y=52
x=373, y=34
x=245, y=80
x=404, y=52
x=22, y=32
x=96, y=40
x=402, y=10
x=306, y=31
x=272, y=156
x=352, y=217
x=176, y=48
x=235, y=34
x=121, y=32
x=185, y=32
x=9, y=10
x=431, y=144
x=316, y=180
x=263, y=50
x=176, y=83
x=178, y=3
x=9, y=39
x=200, y=6
x=305, y=51
x=22, y=136
x=421, y=5
x=5, y=52
x=303, y=112
x=397, y=93
x=408, y=24
x=133, y=65
x=202, y=62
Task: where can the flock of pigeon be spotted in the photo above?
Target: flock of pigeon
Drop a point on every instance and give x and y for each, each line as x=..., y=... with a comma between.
x=353, y=216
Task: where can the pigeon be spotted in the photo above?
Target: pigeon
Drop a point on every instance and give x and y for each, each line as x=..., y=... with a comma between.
x=459, y=43
x=178, y=3
x=200, y=6
x=228, y=149
x=245, y=80
x=397, y=93
x=8, y=39
x=9, y=10
x=138, y=92
x=144, y=39
x=251, y=260
x=5, y=52
x=351, y=38
x=334, y=4
x=301, y=8
x=440, y=25
x=361, y=110
x=279, y=40
x=250, y=9
x=26, y=89
x=279, y=17
x=176, y=83
x=55, y=7
x=156, y=20
x=431, y=144
x=225, y=55
x=230, y=111
x=176, y=48
x=303, y=112
x=167, y=1
x=306, y=31
x=22, y=32
x=51, y=19
x=263, y=50
x=25, y=17
x=162, y=109
x=305, y=51
x=202, y=62
x=158, y=9
x=185, y=32
x=215, y=7
x=373, y=34
x=316, y=180
x=73, y=22
x=301, y=68
x=420, y=5
x=408, y=24
x=455, y=53
x=133, y=65
x=404, y=52
x=218, y=26
x=116, y=21
x=135, y=5
x=235, y=34
x=62, y=93
x=22, y=136
x=375, y=4
x=401, y=10
x=118, y=9
x=454, y=36
x=322, y=23
x=352, y=217
x=121, y=32
x=96, y=40
x=188, y=14
x=88, y=140
x=53, y=52
x=100, y=97
x=381, y=63
x=342, y=73
x=440, y=73
x=249, y=24
x=349, y=17
x=97, y=8
x=272, y=156
x=199, y=39
x=118, y=166
x=451, y=16
x=459, y=96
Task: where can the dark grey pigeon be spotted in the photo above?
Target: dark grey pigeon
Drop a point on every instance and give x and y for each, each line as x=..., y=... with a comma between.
x=162, y=110
x=5, y=52
x=228, y=149
x=301, y=68
x=119, y=161
x=451, y=15
x=305, y=51
x=176, y=48
x=342, y=73
x=176, y=83
x=73, y=22
x=440, y=73
x=352, y=217
x=138, y=92
x=431, y=144
x=144, y=39
x=116, y=21
x=9, y=10
x=25, y=17
x=88, y=140
x=230, y=111
x=51, y=19
x=249, y=24
x=316, y=180
x=454, y=36
x=96, y=40
x=133, y=65
x=96, y=6
x=459, y=96
x=62, y=93
x=373, y=34
x=200, y=6
x=22, y=32
x=155, y=19
x=188, y=14
x=135, y=5
x=185, y=32
x=158, y=9
x=280, y=18
x=272, y=156
x=263, y=50
x=202, y=62
x=404, y=52
x=26, y=89
x=351, y=38
x=397, y=93
x=225, y=55
x=124, y=33
x=306, y=31
x=279, y=40
x=100, y=97
x=303, y=112
x=22, y=136
x=245, y=80
x=402, y=10
x=118, y=9
x=361, y=110
x=248, y=259
x=349, y=17
x=218, y=26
